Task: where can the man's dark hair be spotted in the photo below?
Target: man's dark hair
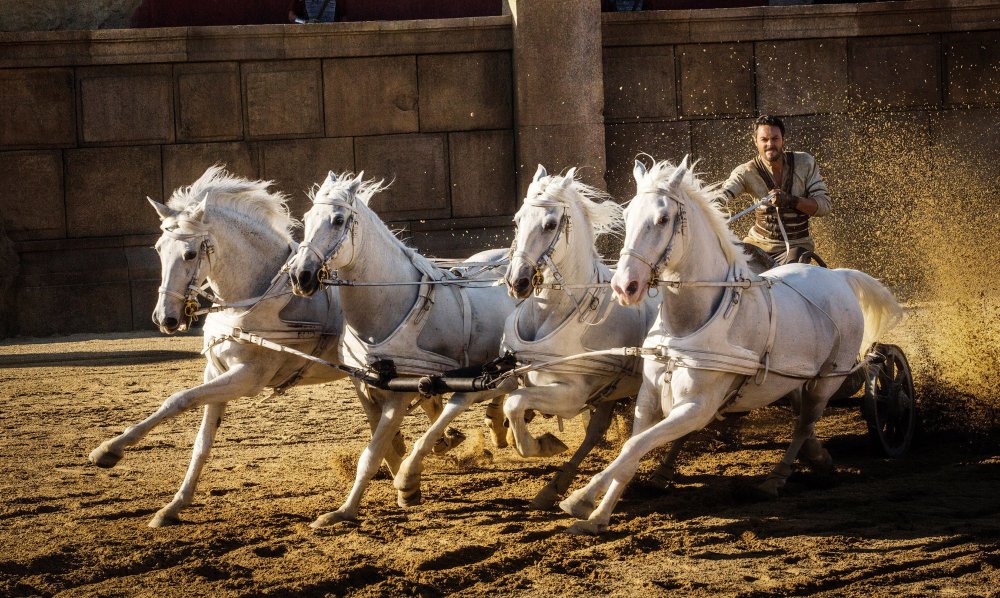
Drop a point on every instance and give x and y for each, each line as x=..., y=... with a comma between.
x=771, y=121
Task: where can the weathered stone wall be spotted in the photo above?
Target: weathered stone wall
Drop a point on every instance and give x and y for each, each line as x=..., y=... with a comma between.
x=93, y=122
x=60, y=15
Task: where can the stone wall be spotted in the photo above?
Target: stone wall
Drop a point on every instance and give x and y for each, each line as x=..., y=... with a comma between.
x=93, y=122
x=55, y=15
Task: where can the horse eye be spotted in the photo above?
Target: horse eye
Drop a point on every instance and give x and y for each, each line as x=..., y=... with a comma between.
x=190, y=255
x=661, y=220
x=338, y=219
x=549, y=225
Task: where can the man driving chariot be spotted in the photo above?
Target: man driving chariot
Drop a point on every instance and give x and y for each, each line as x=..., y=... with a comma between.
x=792, y=183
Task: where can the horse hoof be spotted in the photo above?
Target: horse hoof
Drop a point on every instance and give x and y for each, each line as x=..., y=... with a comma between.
x=164, y=518
x=406, y=498
x=549, y=445
x=103, y=456
x=450, y=440
x=577, y=506
x=545, y=499
x=586, y=528
x=770, y=488
x=331, y=518
x=821, y=463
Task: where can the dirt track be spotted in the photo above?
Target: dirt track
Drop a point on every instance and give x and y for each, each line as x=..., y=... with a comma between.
x=926, y=525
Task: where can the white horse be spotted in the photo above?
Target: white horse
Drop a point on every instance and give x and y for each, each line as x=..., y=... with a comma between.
x=234, y=234
x=725, y=339
x=573, y=313
x=395, y=309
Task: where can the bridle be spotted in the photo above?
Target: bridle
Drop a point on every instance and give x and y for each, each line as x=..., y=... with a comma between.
x=679, y=228
x=545, y=259
x=325, y=271
x=194, y=288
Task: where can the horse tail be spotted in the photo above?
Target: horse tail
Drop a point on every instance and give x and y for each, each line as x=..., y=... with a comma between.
x=879, y=307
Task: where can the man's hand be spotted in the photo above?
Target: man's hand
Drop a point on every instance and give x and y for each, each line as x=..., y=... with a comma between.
x=780, y=199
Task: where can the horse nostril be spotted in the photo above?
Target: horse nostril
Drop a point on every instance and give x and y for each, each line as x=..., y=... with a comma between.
x=304, y=277
x=632, y=287
x=170, y=323
x=521, y=284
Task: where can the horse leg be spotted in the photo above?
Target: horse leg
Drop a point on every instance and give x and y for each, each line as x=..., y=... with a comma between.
x=394, y=407
x=240, y=380
x=450, y=437
x=494, y=419
x=407, y=479
x=596, y=428
x=546, y=399
x=374, y=413
x=682, y=420
x=663, y=475
x=210, y=423
x=813, y=403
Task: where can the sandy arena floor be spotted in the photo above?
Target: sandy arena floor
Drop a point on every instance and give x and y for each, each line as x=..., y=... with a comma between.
x=925, y=525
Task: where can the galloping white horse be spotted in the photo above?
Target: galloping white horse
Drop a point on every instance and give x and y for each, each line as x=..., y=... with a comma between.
x=725, y=339
x=395, y=309
x=234, y=234
x=573, y=313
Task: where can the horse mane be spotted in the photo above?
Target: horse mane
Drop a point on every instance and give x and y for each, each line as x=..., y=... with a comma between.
x=228, y=192
x=604, y=214
x=701, y=196
x=347, y=184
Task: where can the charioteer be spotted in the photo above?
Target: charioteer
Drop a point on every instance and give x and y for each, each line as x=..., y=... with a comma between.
x=792, y=182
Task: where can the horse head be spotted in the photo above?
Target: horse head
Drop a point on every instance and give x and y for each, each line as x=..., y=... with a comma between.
x=184, y=249
x=541, y=222
x=654, y=221
x=329, y=241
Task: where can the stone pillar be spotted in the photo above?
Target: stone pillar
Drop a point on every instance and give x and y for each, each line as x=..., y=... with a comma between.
x=558, y=88
x=9, y=267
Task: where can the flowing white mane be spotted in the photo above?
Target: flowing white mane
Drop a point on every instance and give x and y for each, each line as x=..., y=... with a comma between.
x=248, y=200
x=603, y=213
x=358, y=192
x=700, y=196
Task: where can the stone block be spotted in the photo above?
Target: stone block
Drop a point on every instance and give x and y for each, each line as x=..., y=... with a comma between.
x=37, y=108
x=144, y=280
x=126, y=104
x=557, y=50
x=370, y=96
x=895, y=72
x=68, y=309
x=483, y=179
x=463, y=92
x=716, y=79
x=283, y=98
x=802, y=76
x=625, y=141
x=209, y=106
x=184, y=164
x=721, y=145
x=417, y=166
x=31, y=194
x=558, y=148
x=460, y=242
x=296, y=165
x=639, y=83
x=973, y=68
x=106, y=191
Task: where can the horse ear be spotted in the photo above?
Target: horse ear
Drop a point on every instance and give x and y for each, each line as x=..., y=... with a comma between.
x=677, y=176
x=163, y=211
x=569, y=178
x=331, y=177
x=686, y=162
x=638, y=171
x=355, y=185
x=198, y=213
x=539, y=173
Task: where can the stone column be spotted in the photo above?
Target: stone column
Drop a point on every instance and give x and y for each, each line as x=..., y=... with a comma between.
x=558, y=88
x=9, y=267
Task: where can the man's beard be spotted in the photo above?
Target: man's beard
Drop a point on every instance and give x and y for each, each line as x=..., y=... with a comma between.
x=772, y=155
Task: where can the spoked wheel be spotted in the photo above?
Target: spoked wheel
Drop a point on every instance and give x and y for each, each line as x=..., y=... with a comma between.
x=889, y=404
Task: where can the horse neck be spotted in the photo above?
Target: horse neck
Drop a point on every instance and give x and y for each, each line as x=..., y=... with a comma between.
x=376, y=311
x=686, y=309
x=245, y=261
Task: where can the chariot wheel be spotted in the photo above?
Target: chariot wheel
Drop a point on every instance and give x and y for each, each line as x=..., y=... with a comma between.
x=889, y=403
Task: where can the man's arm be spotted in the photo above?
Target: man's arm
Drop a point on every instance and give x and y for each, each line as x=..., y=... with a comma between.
x=816, y=201
x=732, y=188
